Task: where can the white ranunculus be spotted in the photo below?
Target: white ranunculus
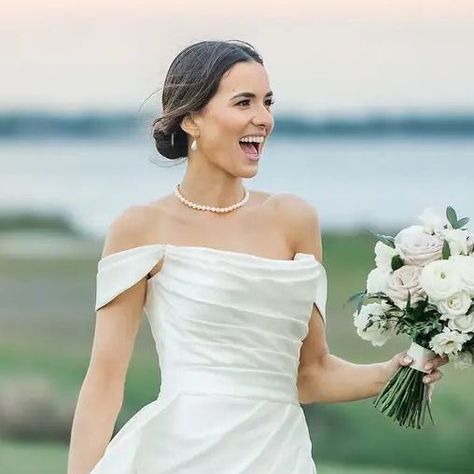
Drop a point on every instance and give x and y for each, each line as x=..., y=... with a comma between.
x=462, y=322
x=431, y=221
x=416, y=247
x=383, y=256
x=465, y=266
x=377, y=281
x=448, y=341
x=440, y=280
x=402, y=281
x=381, y=329
x=458, y=240
x=457, y=303
x=461, y=360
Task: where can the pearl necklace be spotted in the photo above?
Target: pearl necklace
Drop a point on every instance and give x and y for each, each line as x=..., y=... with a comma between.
x=201, y=207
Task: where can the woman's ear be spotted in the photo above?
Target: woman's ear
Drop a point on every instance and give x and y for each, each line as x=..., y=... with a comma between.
x=189, y=125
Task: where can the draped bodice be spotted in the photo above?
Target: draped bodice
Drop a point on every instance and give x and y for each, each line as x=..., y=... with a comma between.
x=223, y=321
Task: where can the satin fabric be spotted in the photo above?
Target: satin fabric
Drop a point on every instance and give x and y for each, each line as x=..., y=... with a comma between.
x=228, y=328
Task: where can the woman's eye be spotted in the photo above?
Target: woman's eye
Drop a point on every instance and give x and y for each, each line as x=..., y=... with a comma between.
x=269, y=102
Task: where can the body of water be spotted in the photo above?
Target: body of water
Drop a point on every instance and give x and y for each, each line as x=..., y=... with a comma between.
x=353, y=182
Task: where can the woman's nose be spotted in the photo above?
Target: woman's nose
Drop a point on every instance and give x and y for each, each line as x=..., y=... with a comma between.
x=263, y=118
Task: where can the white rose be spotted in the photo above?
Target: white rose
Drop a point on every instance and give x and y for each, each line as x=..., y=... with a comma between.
x=416, y=247
x=458, y=241
x=457, y=303
x=462, y=322
x=448, y=341
x=431, y=221
x=383, y=256
x=462, y=360
x=402, y=281
x=377, y=281
x=465, y=266
x=381, y=330
x=440, y=280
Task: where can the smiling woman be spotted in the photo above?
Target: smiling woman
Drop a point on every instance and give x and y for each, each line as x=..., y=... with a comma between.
x=235, y=297
x=201, y=81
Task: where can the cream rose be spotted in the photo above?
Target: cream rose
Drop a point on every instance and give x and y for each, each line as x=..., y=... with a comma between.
x=381, y=330
x=416, y=247
x=448, y=341
x=440, y=280
x=402, y=281
x=462, y=322
x=384, y=255
x=457, y=303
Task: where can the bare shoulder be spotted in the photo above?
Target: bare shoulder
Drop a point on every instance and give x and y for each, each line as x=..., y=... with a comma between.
x=301, y=221
x=130, y=228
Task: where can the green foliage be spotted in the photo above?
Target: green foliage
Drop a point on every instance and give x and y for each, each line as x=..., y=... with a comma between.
x=453, y=218
x=386, y=239
x=446, y=250
x=397, y=262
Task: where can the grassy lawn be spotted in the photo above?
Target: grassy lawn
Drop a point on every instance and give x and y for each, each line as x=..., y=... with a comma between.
x=47, y=322
x=33, y=458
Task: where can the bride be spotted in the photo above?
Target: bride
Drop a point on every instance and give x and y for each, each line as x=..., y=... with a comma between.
x=234, y=289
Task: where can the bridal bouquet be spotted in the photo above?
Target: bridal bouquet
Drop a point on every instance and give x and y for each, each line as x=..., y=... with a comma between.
x=422, y=286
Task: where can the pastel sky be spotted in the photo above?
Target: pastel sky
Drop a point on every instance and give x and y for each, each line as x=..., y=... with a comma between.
x=337, y=56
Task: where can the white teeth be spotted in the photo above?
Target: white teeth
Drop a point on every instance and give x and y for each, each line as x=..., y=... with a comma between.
x=252, y=139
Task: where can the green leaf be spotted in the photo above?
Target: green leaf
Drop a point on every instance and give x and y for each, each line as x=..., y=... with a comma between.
x=462, y=222
x=397, y=262
x=355, y=296
x=408, y=307
x=446, y=250
x=386, y=239
x=451, y=215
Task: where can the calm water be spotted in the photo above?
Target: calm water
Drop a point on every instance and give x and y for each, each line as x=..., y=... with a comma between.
x=353, y=183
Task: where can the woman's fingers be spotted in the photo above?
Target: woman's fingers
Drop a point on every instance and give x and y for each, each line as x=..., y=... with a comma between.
x=433, y=376
x=404, y=359
x=436, y=362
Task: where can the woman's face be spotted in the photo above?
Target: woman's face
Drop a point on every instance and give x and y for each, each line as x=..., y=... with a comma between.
x=241, y=107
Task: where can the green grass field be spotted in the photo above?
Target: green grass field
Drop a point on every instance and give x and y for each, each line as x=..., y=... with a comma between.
x=32, y=458
x=47, y=322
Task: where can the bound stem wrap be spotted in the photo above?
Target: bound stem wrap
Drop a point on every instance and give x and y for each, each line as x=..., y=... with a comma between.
x=420, y=355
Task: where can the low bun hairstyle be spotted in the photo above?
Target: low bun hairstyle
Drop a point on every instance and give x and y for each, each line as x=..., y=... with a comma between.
x=192, y=79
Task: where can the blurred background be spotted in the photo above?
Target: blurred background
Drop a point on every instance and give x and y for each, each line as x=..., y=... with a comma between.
x=374, y=121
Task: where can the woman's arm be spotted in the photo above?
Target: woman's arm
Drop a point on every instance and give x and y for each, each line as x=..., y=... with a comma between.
x=323, y=377
x=101, y=395
x=326, y=378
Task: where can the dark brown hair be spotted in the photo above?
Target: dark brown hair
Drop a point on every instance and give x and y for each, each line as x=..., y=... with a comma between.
x=192, y=79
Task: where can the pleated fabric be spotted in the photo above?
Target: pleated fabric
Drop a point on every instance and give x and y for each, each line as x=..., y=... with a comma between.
x=228, y=329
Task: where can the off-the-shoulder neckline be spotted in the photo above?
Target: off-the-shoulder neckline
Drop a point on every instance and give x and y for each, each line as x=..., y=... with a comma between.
x=204, y=248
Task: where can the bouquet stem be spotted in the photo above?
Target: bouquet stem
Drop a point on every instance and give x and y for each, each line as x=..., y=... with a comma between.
x=405, y=397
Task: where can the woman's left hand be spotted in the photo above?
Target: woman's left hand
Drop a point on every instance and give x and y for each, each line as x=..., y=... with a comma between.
x=430, y=378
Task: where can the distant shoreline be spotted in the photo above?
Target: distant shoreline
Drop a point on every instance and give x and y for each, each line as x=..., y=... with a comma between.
x=87, y=125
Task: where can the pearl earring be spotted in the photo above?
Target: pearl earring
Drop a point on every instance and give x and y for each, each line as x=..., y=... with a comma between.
x=194, y=145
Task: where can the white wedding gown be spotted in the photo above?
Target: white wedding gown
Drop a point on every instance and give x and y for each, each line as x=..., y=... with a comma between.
x=228, y=328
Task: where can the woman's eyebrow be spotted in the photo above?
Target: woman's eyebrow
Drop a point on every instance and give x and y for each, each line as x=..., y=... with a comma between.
x=249, y=95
